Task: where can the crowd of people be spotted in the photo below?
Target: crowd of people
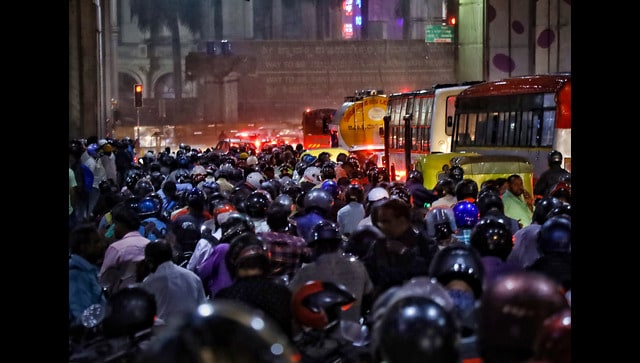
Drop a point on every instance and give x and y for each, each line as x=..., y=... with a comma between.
x=342, y=264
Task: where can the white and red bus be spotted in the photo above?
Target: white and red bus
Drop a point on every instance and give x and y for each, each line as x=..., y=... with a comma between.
x=526, y=116
x=417, y=123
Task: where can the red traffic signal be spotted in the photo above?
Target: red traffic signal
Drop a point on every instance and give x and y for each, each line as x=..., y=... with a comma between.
x=137, y=95
x=452, y=20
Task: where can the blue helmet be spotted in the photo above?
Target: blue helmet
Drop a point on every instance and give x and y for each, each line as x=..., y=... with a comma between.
x=466, y=214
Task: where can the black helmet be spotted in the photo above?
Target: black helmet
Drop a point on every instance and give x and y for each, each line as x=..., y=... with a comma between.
x=131, y=181
x=236, y=224
x=456, y=173
x=317, y=304
x=318, y=199
x=555, y=236
x=328, y=171
x=226, y=328
x=361, y=239
x=511, y=312
x=324, y=232
x=467, y=188
x=489, y=200
x=129, y=310
x=354, y=192
x=196, y=198
x=563, y=210
x=187, y=233
x=257, y=204
x=554, y=158
x=491, y=237
x=444, y=186
x=543, y=207
x=247, y=250
x=416, y=176
x=143, y=187
x=418, y=329
x=459, y=262
x=400, y=191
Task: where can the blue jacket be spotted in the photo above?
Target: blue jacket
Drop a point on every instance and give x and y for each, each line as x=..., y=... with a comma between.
x=84, y=288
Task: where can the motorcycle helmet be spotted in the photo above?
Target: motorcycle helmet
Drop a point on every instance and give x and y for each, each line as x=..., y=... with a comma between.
x=466, y=188
x=456, y=173
x=318, y=199
x=285, y=200
x=271, y=186
x=92, y=150
x=308, y=159
x=226, y=328
x=415, y=176
x=195, y=198
x=257, y=204
x=511, y=312
x=220, y=210
x=328, y=171
x=555, y=236
x=418, y=329
x=331, y=186
x=143, y=187
x=149, y=207
x=489, y=200
x=401, y=192
x=325, y=232
x=491, y=237
x=376, y=194
x=459, y=262
x=225, y=171
x=317, y=304
x=440, y=223
x=312, y=175
x=553, y=341
x=361, y=239
x=354, y=193
x=466, y=214
x=255, y=179
x=554, y=158
x=131, y=181
x=236, y=224
x=444, y=187
x=246, y=250
x=543, y=207
x=129, y=310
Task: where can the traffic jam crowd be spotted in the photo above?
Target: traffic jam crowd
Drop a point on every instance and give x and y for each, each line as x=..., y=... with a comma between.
x=339, y=263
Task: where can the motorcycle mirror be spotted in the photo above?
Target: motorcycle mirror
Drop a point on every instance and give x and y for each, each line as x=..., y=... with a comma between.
x=93, y=315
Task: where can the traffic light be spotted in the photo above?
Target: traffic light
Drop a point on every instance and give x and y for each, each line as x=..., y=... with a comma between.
x=452, y=12
x=137, y=95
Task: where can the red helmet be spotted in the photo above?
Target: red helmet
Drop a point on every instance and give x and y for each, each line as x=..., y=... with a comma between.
x=316, y=304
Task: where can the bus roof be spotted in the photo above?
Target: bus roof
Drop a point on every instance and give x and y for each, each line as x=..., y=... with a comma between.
x=522, y=84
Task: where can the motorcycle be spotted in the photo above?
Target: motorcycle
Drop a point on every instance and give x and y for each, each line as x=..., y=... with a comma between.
x=106, y=338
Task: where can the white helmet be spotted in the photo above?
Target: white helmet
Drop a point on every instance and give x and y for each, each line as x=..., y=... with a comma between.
x=255, y=179
x=252, y=160
x=312, y=174
x=377, y=193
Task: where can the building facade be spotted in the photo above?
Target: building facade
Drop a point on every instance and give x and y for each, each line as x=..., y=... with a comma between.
x=254, y=63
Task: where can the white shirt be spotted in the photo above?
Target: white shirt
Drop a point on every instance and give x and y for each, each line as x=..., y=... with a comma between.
x=176, y=289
